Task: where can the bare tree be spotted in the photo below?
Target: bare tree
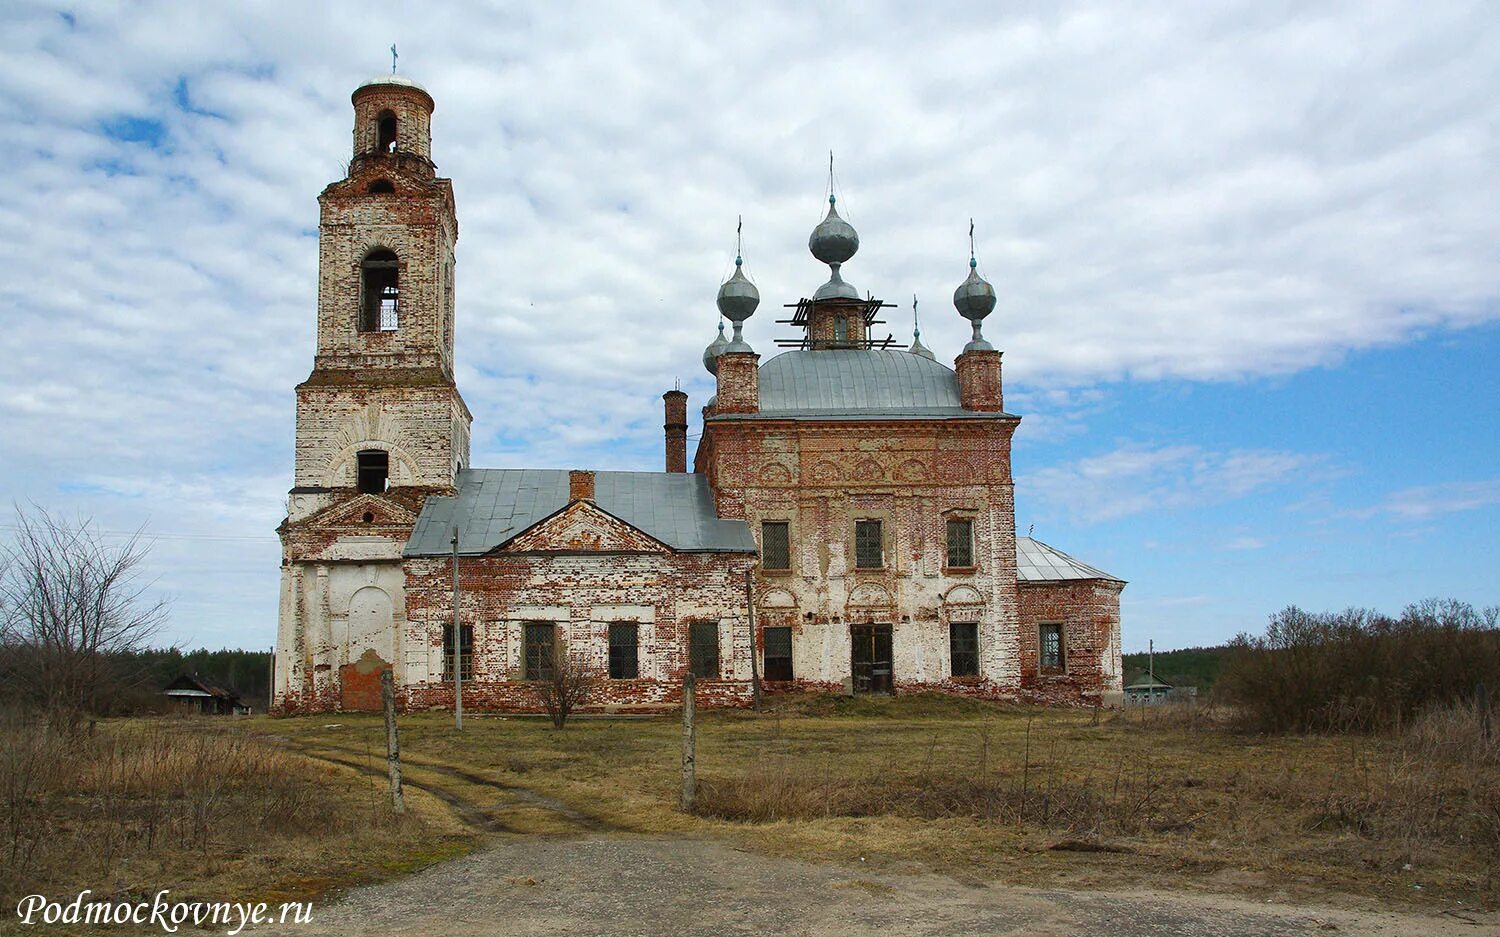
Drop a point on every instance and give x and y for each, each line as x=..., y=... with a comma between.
x=565, y=685
x=71, y=596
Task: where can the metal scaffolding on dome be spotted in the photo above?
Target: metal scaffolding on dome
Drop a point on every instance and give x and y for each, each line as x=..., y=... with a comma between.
x=802, y=319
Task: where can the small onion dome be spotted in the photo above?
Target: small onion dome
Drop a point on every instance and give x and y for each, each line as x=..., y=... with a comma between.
x=834, y=240
x=836, y=287
x=974, y=298
x=714, y=350
x=917, y=348
x=738, y=297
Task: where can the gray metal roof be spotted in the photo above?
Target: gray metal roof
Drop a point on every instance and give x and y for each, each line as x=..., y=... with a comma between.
x=857, y=380
x=495, y=505
x=1038, y=562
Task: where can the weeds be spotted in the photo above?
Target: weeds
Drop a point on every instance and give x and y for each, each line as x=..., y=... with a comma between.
x=77, y=806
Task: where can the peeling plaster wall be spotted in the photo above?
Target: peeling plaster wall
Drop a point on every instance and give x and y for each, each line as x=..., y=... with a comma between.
x=912, y=476
x=662, y=593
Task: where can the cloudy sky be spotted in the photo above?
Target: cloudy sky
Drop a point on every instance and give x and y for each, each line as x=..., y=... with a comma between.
x=1248, y=259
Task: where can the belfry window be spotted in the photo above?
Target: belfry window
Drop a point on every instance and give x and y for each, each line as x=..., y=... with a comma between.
x=380, y=297
x=386, y=130
x=841, y=329
x=374, y=468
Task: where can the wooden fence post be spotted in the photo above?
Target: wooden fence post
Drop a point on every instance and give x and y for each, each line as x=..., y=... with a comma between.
x=689, y=745
x=392, y=741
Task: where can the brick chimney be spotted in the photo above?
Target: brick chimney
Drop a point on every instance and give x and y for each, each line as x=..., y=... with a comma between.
x=580, y=485
x=979, y=381
x=739, y=383
x=676, y=430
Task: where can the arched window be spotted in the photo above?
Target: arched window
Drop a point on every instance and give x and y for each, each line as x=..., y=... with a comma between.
x=841, y=329
x=386, y=129
x=380, y=186
x=380, y=298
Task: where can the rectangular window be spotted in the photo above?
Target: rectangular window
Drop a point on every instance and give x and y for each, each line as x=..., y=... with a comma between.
x=869, y=550
x=775, y=545
x=466, y=655
x=960, y=544
x=374, y=467
x=703, y=649
x=539, y=651
x=1050, y=655
x=963, y=648
x=624, y=658
x=778, y=653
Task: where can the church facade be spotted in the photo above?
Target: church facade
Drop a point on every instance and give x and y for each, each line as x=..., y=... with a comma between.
x=847, y=525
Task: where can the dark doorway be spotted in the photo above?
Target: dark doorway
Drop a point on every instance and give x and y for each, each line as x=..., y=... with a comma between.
x=870, y=653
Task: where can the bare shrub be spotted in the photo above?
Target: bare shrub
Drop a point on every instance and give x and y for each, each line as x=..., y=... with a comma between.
x=1359, y=671
x=70, y=600
x=568, y=684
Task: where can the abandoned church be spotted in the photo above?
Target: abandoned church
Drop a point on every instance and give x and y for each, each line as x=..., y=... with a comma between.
x=847, y=524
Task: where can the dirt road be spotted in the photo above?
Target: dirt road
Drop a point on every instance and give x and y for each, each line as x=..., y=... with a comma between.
x=613, y=884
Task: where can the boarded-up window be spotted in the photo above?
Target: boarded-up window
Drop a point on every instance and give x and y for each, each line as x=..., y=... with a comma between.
x=466, y=654
x=775, y=545
x=703, y=649
x=963, y=648
x=624, y=651
x=960, y=543
x=539, y=651
x=868, y=548
x=373, y=468
x=1050, y=656
x=778, y=653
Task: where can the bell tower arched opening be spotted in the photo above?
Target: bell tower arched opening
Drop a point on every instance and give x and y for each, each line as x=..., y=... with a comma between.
x=380, y=292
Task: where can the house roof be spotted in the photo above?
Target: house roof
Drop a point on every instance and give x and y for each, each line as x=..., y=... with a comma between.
x=494, y=506
x=858, y=383
x=1038, y=562
x=1147, y=682
x=188, y=681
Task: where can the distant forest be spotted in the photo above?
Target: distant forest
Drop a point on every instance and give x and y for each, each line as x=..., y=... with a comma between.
x=1190, y=666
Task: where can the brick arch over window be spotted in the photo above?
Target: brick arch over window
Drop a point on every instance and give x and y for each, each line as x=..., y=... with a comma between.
x=343, y=469
x=379, y=291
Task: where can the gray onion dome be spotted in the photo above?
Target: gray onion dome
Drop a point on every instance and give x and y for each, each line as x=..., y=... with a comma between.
x=834, y=240
x=714, y=350
x=974, y=298
x=738, y=297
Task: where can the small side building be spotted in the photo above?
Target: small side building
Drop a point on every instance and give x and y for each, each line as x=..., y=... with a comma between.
x=1149, y=689
x=190, y=694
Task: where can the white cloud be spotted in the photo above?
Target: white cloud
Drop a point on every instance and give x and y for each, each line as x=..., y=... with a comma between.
x=1425, y=502
x=1136, y=479
x=1161, y=190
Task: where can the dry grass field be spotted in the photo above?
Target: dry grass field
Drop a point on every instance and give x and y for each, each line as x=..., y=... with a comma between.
x=292, y=808
x=198, y=806
x=1063, y=798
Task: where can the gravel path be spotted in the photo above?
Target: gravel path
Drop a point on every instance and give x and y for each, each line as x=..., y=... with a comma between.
x=612, y=884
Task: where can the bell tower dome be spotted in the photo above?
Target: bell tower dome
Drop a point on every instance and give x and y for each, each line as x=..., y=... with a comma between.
x=393, y=122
